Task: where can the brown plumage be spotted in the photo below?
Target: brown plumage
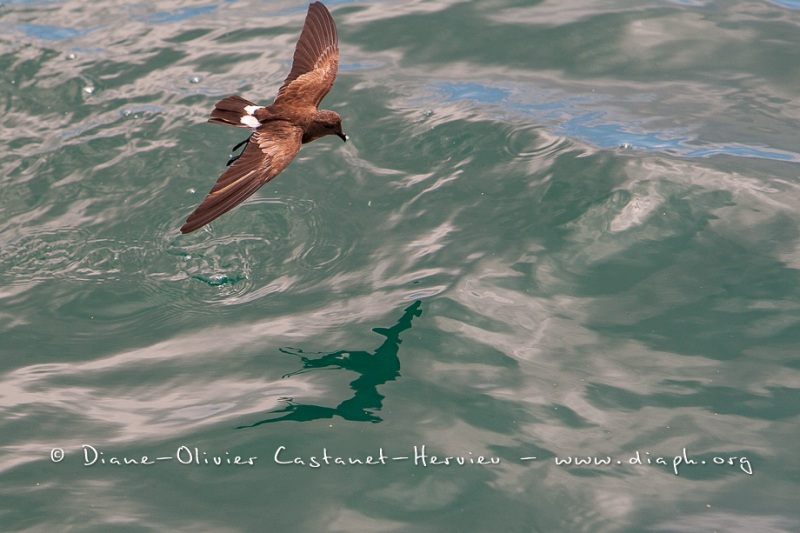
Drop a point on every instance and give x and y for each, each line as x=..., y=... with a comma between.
x=280, y=128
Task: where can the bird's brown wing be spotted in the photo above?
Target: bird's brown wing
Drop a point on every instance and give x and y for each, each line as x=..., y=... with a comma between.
x=271, y=148
x=316, y=61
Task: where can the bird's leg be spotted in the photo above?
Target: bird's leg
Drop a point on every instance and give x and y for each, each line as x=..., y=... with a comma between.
x=241, y=143
x=237, y=156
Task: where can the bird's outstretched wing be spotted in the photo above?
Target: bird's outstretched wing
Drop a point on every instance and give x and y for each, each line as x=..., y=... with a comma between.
x=270, y=149
x=316, y=61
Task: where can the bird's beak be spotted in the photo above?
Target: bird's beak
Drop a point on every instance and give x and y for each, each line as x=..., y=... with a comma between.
x=342, y=136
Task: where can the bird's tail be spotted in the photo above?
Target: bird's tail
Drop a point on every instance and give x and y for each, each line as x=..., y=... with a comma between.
x=234, y=111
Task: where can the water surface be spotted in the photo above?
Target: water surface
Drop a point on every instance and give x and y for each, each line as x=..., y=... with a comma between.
x=558, y=232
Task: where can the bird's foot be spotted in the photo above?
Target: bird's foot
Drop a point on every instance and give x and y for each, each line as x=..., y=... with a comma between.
x=237, y=156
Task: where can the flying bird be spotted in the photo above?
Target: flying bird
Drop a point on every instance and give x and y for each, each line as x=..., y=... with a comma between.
x=279, y=129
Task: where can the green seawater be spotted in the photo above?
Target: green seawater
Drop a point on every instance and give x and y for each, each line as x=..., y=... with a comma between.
x=551, y=283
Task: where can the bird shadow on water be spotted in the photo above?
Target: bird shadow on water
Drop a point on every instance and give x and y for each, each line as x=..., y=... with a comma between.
x=374, y=369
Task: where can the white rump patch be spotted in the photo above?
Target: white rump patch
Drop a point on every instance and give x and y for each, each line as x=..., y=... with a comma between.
x=250, y=109
x=250, y=121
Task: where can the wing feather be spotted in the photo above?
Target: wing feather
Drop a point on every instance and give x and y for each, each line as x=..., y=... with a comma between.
x=270, y=149
x=315, y=63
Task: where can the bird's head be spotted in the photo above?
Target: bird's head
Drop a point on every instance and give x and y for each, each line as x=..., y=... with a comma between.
x=326, y=123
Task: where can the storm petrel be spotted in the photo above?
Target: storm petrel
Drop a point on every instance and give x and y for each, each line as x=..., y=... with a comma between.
x=281, y=127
